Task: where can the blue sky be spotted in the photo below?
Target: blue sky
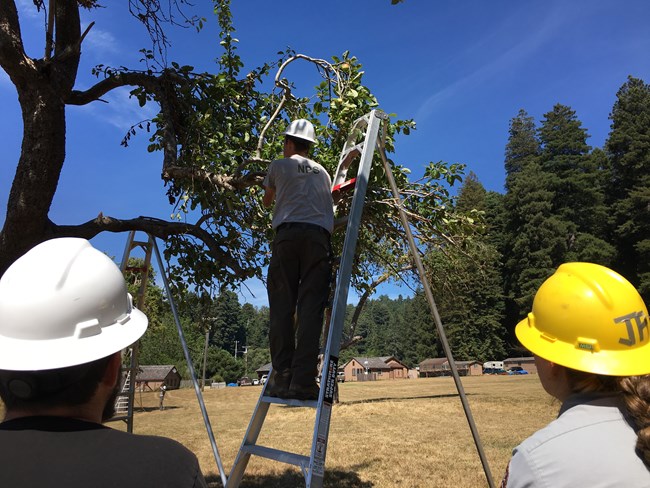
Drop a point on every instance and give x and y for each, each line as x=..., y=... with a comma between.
x=461, y=69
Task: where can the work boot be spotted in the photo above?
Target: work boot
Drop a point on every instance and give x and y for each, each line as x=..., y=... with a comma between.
x=279, y=382
x=303, y=392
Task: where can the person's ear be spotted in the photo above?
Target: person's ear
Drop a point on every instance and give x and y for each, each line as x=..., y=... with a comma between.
x=557, y=370
x=113, y=368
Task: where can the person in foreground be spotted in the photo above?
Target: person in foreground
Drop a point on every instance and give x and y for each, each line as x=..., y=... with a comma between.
x=588, y=331
x=65, y=316
x=300, y=270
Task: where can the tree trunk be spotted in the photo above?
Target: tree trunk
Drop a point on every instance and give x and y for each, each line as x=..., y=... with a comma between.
x=37, y=174
x=43, y=86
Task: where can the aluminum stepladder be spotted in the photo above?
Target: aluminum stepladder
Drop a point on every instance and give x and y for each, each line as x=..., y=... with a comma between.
x=124, y=401
x=313, y=466
x=151, y=247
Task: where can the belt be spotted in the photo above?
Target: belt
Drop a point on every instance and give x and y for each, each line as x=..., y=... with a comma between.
x=301, y=226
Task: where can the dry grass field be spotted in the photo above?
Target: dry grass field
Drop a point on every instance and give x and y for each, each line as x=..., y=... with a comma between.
x=400, y=433
x=404, y=433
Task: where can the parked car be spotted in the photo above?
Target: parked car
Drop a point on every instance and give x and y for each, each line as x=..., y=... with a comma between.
x=517, y=370
x=340, y=377
x=263, y=379
x=494, y=371
x=245, y=381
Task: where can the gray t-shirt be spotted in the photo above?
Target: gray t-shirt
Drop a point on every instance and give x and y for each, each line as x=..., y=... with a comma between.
x=590, y=445
x=302, y=192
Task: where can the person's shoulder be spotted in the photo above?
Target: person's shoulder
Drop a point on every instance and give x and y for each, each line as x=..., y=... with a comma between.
x=172, y=461
x=283, y=161
x=159, y=443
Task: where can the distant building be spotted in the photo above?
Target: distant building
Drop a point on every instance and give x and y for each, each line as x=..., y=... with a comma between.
x=440, y=367
x=153, y=377
x=263, y=370
x=364, y=369
x=374, y=368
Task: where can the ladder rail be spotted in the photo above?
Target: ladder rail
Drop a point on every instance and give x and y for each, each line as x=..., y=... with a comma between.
x=190, y=366
x=128, y=389
x=330, y=358
x=415, y=254
x=250, y=438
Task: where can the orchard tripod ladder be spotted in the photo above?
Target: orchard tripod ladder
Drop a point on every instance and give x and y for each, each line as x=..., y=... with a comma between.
x=313, y=466
x=150, y=246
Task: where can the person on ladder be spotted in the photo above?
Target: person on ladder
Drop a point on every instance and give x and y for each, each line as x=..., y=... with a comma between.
x=299, y=274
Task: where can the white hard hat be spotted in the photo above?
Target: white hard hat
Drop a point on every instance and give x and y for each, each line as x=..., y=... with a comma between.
x=302, y=129
x=62, y=304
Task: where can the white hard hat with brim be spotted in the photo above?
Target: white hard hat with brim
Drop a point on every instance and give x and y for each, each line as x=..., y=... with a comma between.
x=62, y=304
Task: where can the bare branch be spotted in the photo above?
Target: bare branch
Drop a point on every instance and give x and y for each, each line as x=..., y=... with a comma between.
x=49, y=38
x=224, y=182
x=116, y=80
x=12, y=51
x=155, y=84
x=286, y=90
x=161, y=229
x=364, y=298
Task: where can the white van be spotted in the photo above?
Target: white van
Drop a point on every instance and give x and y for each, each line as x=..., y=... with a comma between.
x=493, y=365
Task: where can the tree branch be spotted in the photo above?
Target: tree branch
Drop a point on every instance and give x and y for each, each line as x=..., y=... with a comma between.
x=161, y=229
x=286, y=91
x=12, y=52
x=113, y=81
x=157, y=85
x=224, y=182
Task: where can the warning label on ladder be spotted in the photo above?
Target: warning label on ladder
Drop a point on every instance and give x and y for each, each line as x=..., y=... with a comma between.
x=330, y=379
x=318, y=467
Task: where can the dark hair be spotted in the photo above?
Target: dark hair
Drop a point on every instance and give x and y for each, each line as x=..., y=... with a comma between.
x=635, y=391
x=301, y=145
x=69, y=386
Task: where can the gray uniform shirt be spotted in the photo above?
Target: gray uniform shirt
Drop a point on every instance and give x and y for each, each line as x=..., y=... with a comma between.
x=302, y=192
x=56, y=452
x=590, y=445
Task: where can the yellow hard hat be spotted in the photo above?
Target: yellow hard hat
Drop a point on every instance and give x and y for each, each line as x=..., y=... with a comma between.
x=589, y=318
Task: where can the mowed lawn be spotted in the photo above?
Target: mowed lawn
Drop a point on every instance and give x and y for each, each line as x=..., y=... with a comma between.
x=408, y=433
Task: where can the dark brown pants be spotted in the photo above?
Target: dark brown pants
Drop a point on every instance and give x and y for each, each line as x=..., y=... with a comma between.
x=298, y=284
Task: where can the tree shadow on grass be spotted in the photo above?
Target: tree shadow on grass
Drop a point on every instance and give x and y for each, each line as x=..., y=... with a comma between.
x=153, y=409
x=393, y=399
x=290, y=478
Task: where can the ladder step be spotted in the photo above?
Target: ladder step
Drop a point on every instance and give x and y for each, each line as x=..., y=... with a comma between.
x=290, y=401
x=278, y=455
x=350, y=154
x=138, y=269
x=346, y=185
